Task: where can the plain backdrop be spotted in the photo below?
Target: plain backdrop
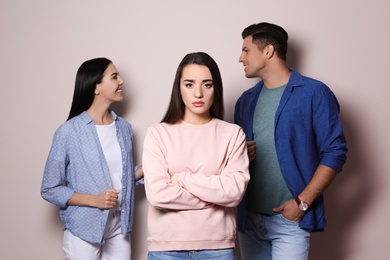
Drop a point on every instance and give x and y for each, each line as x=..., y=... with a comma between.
x=343, y=43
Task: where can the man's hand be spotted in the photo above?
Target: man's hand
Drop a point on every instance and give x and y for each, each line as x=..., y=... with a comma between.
x=251, y=148
x=290, y=211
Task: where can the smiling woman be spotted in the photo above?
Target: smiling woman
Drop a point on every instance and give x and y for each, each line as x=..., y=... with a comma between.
x=196, y=169
x=90, y=173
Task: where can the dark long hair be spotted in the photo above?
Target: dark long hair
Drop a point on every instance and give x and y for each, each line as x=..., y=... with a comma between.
x=176, y=108
x=88, y=75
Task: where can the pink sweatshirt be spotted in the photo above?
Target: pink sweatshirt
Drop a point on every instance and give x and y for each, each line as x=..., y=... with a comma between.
x=194, y=177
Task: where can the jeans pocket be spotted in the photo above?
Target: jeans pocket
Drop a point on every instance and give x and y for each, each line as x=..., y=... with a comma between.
x=287, y=220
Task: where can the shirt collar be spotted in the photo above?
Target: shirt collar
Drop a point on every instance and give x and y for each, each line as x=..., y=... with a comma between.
x=296, y=79
x=87, y=119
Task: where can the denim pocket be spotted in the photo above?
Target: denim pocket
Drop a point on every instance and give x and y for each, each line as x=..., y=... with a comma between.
x=287, y=220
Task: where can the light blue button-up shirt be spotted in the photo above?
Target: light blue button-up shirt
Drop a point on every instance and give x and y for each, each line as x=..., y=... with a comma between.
x=76, y=163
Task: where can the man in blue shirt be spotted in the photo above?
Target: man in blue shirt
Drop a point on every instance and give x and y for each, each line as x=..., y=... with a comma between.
x=296, y=147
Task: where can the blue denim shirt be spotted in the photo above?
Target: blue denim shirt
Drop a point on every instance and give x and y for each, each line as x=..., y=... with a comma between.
x=76, y=163
x=308, y=133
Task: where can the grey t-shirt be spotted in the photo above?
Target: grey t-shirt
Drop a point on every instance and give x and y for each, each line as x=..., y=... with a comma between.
x=267, y=188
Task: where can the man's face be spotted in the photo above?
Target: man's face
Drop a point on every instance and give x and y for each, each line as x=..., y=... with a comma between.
x=252, y=58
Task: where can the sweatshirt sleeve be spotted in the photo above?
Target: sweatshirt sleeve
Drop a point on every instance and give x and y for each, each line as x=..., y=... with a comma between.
x=226, y=188
x=159, y=189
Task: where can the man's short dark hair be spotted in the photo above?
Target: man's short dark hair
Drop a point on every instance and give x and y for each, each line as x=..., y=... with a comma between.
x=264, y=34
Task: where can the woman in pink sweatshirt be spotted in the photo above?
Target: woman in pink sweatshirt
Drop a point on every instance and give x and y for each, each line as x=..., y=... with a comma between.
x=196, y=169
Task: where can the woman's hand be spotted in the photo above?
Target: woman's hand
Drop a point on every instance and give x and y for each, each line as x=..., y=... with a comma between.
x=139, y=173
x=106, y=199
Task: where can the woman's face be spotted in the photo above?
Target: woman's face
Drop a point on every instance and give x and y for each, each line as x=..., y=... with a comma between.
x=197, y=91
x=110, y=89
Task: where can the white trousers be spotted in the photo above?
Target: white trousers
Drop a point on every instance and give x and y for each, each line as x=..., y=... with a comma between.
x=116, y=245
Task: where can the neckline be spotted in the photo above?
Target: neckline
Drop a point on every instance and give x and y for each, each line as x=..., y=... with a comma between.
x=196, y=125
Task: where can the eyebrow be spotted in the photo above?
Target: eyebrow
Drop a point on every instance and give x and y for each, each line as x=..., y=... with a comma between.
x=114, y=74
x=192, y=80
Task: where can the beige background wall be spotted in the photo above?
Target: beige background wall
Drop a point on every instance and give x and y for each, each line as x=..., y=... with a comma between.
x=43, y=42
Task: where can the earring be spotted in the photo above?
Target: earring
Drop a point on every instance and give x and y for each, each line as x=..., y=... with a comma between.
x=97, y=92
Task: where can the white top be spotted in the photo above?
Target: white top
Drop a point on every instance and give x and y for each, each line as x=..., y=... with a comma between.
x=112, y=153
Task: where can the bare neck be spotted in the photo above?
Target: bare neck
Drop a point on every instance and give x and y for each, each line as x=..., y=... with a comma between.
x=277, y=75
x=100, y=115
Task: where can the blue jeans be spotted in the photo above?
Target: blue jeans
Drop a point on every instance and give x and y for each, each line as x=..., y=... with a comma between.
x=219, y=254
x=273, y=237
